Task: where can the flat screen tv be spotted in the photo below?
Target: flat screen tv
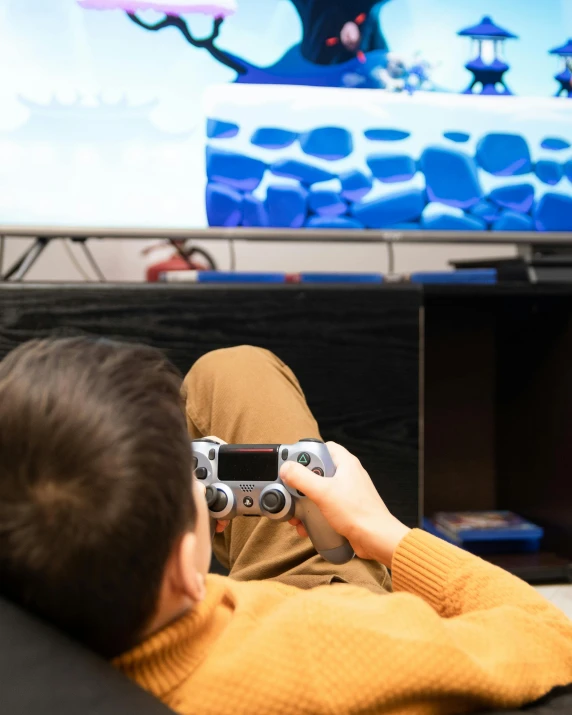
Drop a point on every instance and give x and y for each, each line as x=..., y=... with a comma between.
x=438, y=115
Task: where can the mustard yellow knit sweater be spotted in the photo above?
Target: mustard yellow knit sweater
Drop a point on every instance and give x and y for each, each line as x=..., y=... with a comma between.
x=457, y=635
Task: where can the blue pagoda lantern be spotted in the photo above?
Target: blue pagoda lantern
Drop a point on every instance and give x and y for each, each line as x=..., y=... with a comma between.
x=488, y=67
x=564, y=78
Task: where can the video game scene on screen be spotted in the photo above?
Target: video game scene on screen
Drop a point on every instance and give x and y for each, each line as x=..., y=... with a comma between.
x=465, y=124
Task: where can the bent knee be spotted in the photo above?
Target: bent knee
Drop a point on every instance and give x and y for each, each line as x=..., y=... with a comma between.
x=226, y=360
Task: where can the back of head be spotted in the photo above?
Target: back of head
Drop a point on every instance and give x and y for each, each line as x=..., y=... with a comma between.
x=95, y=475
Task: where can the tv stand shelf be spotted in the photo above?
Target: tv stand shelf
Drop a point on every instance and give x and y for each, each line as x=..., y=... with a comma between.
x=544, y=567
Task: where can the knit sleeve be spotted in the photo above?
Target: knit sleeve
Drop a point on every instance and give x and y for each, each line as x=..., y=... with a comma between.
x=455, y=582
x=477, y=638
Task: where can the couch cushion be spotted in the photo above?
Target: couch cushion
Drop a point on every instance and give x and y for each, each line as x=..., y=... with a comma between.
x=557, y=701
x=44, y=673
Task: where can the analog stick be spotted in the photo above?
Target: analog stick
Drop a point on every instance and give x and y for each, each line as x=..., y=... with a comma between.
x=217, y=500
x=273, y=501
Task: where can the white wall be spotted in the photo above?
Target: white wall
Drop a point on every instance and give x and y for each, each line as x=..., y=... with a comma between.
x=122, y=260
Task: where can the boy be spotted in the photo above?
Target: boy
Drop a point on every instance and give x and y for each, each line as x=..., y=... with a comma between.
x=104, y=532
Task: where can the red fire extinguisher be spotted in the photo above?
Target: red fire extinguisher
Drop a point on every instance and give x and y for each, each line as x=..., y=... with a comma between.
x=183, y=258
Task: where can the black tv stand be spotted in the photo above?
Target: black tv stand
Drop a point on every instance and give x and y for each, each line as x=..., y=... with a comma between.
x=455, y=397
x=536, y=263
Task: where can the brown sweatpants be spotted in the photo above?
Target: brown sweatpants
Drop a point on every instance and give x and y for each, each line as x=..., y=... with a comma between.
x=246, y=395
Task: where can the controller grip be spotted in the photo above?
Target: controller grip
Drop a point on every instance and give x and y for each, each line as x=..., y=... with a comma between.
x=331, y=546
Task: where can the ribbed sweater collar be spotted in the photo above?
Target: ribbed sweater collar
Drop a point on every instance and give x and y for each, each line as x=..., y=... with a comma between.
x=168, y=657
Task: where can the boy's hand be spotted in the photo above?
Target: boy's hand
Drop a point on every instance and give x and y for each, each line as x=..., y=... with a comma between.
x=221, y=526
x=216, y=439
x=351, y=504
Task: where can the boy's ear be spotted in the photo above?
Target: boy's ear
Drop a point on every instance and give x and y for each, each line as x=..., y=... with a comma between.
x=185, y=578
x=183, y=584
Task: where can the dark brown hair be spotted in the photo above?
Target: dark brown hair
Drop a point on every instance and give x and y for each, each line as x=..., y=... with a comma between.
x=95, y=484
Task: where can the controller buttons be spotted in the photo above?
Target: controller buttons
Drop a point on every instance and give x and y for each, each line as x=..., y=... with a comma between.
x=311, y=439
x=300, y=493
x=319, y=471
x=212, y=454
x=273, y=502
x=201, y=473
x=248, y=501
x=284, y=455
x=216, y=499
x=304, y=459
x=195, y=463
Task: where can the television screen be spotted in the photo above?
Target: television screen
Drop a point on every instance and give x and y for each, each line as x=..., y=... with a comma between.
x=376, y=114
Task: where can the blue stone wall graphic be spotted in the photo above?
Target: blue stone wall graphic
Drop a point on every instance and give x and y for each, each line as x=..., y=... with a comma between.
x=378, y=166
x=553, y=213
x=513, y=221
x=221, y=130
x=286, y=206
x=486, y=210
x=325, y=202
x=355, y=184
x=328, y=143
x=457, y=137
x=273, y=138
x=386, y=135
x=549, y=172
x=301, y=171
x=236, y=170
x=555, y=144
x=391, y=168
x=504, y=154
x=451, y=177
x=224, y=205
x=387, y=211
x=340, y=222
x=254, y=213
x=447, y=222
x=517, y=197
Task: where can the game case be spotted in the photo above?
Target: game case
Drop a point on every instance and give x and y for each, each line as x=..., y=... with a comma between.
x=486, y=531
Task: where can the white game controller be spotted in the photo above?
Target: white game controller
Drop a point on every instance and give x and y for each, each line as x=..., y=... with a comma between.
x=243, y=480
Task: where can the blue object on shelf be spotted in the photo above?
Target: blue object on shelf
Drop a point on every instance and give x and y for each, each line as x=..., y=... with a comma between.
x=236, y=277
x=491, y=541
x=479, y=276
x=341, y=278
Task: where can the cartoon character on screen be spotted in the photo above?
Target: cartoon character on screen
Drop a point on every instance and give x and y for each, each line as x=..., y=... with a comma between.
x=397, y=74
x=419, y=75
x=335, y=32
x=393, y=75
x=350, y=37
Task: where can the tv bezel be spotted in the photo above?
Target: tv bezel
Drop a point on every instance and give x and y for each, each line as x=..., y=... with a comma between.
x=300, y=235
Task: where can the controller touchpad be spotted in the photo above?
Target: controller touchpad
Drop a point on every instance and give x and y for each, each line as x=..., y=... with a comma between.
x=248, y=464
